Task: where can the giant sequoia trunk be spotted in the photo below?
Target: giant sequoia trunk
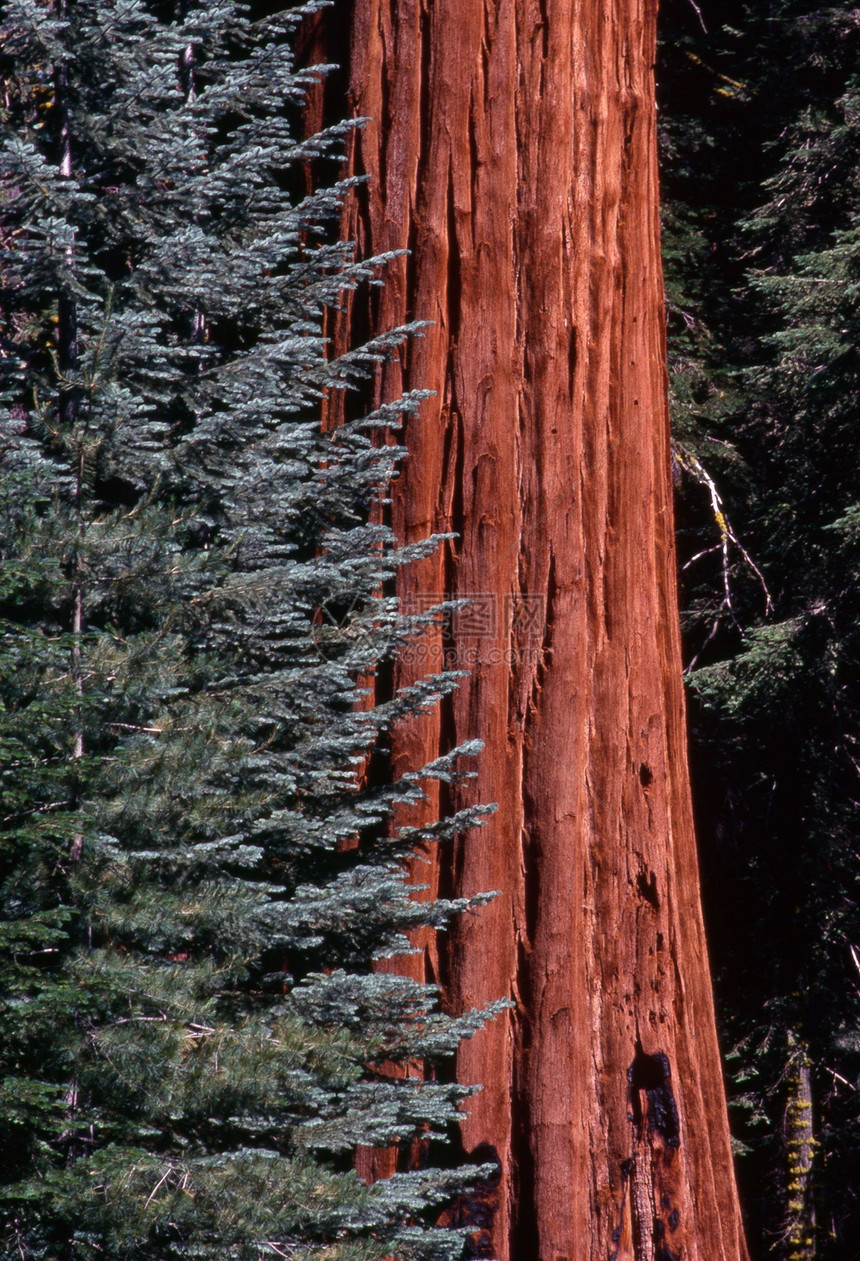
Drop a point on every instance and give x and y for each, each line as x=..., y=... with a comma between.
x=511, y=150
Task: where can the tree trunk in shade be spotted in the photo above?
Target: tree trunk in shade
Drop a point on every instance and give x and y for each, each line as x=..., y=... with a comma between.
x=511, y=149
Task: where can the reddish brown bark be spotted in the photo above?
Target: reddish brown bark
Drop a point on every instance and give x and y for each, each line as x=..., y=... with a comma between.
x=511, y=149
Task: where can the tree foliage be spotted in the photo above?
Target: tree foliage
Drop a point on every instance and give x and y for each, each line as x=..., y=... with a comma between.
x=200, y=859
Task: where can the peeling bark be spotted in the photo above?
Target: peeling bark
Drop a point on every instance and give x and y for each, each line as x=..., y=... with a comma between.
x=511, y=150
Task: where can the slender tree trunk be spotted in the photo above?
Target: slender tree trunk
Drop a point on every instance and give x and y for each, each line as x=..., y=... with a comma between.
x=68, y=409
x=800, y=1152
x=511, y=149
x=67, y=316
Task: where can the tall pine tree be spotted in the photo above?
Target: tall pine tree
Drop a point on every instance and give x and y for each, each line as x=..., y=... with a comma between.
x=199, y=863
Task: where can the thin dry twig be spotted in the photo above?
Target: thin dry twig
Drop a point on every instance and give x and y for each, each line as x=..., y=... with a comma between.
x=694, y=467
x=698, y=12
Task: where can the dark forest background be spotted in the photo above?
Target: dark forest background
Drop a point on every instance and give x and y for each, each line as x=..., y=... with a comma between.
x=760, y=140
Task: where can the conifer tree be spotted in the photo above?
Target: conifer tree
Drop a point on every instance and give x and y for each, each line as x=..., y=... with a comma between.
x=199, y=862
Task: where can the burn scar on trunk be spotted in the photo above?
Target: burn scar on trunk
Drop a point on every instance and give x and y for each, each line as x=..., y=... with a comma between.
x=651, y=1228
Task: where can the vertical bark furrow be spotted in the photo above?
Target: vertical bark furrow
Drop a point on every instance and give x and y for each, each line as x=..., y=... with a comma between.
x=512, y=150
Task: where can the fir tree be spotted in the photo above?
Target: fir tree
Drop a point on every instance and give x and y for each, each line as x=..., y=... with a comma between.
x=199, y=859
